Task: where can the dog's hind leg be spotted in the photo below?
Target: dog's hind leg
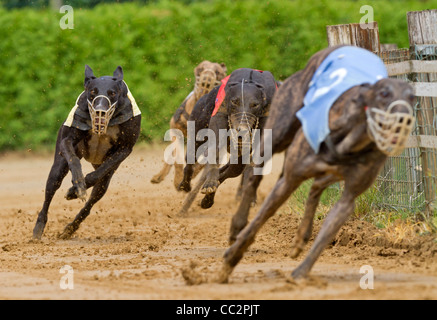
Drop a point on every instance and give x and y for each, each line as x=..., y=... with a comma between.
x=197, y=168
x=97, y=193
x=190, y=172
x=280, y=193
x=239, y=220
x=306, y=225
x=162, y=174
x=185, y=184
x=57, y=173
x=247, y=173
x=192, y=195
x=357, y=180
x=159, y=177
x=334, y=220
x=178, y=174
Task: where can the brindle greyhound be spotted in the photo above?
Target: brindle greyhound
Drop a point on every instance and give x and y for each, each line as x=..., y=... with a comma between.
x=208, y=75
x=241, y=104
x=103, y=127
x=367, y=123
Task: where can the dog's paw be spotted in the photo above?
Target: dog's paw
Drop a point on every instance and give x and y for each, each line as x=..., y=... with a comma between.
x=68, y=232
x=295, y=252
x=71, y=194
x=184, y=186
x=156, y=179
x=207, y=201
x=38, y=230
x=76, y=193
x=210, y=186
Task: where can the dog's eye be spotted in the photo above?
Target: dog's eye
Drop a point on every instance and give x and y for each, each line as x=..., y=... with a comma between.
x=384, y=93
x=235, y=102
x=111, y=94
x=254, y=105
x=94, y=92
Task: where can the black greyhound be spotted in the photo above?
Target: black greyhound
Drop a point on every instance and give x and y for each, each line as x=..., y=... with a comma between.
x=103, y=127
x=240, y=105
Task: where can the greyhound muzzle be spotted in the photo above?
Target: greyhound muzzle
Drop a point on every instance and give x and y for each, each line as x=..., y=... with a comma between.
x=243, y=126
x=101, y=113
x=205, y=82
x=390, y=129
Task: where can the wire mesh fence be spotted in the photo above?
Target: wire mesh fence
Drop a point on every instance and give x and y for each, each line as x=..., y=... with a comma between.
x=408, y=181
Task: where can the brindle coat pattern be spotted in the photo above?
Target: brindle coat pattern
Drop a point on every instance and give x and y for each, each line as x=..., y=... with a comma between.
x=353, y=158
x=181, y=115
x=105, y=152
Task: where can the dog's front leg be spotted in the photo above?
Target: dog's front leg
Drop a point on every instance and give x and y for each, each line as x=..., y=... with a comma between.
x=212, y=179
x=91, y=179
x=110, y=164
x=126, y=142
x=69, y=153
x=217, y=123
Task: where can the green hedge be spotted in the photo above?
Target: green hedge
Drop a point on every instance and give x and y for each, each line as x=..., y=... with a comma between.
x=158, y=45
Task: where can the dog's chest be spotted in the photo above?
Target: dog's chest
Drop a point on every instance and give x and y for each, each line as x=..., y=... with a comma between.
x=97, y=146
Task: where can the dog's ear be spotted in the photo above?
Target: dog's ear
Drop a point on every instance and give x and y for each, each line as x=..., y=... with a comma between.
x=118, y=74
x=225, y=69
x=89, y=75
x=197, y=70
x=361, y=99
x=264, y=94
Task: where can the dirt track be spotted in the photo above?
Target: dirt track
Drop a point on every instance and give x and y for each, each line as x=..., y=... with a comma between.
x=133, y=246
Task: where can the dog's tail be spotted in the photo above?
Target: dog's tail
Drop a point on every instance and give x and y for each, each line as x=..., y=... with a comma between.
x=192, y=195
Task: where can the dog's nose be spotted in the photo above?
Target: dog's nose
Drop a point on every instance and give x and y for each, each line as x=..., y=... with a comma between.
x=243, y=129
x=243, y=135
x=400, y=106
x=101, y=104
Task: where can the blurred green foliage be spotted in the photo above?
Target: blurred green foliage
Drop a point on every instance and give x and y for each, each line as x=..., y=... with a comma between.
x=158, y=44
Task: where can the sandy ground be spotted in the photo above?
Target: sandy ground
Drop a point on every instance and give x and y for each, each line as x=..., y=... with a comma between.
x=133, y=246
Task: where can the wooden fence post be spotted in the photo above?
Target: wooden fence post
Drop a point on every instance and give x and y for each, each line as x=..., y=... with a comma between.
x=422, y=30
x=354, y=34
x=422, y=27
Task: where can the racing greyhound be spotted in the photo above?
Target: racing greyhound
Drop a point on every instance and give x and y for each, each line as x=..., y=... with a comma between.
x=337, y=119
x=208, y=75
x=241, y=105
x=370, y=117
x=102, y=127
